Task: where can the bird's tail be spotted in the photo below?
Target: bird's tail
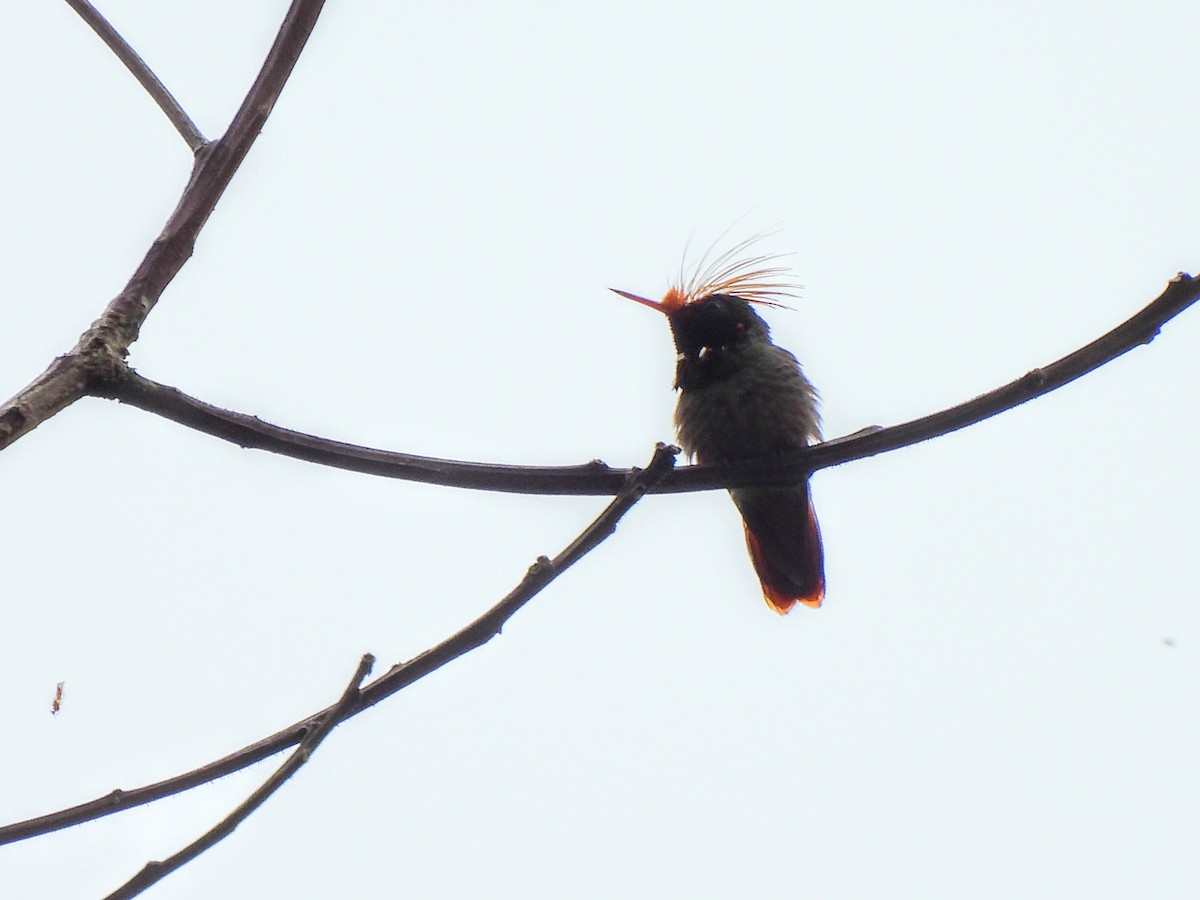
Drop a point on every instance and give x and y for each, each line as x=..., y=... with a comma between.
x=785, y=544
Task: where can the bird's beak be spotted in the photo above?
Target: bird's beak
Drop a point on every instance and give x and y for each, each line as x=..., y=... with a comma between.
x=653, y=304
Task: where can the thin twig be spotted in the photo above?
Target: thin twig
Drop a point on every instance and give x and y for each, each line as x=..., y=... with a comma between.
x=142, y=72
x=98, y=358
x=153, y=872
x=598, y=478
x=638, y=483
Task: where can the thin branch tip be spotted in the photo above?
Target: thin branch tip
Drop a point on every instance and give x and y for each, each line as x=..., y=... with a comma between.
x=662, y=448
x=145, y=76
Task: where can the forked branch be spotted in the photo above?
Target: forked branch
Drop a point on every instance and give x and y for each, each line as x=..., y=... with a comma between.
x=479, y=632
x=96, y=366
x=98, y=358
x=154, y=872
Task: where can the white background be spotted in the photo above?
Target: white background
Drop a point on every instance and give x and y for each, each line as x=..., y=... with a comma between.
x=1000, y=696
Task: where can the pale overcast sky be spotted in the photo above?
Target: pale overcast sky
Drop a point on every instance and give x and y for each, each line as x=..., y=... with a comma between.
x=1000, y=696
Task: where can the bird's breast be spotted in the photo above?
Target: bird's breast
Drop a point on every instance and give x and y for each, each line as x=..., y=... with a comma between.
x=749, y=405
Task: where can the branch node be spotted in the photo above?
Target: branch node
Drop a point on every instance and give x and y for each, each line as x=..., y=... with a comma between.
x=12, y=420
x=1035, y=378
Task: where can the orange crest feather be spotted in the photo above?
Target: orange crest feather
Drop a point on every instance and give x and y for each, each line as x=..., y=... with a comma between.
x=752, y=278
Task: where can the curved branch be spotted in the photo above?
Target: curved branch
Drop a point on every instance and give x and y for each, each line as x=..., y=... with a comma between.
x=99, y=356
x=598, y=478
x=146, y=78
x=400, y=676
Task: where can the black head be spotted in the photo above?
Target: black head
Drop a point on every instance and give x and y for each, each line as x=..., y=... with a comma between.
x=710, y=334
x=715, y=323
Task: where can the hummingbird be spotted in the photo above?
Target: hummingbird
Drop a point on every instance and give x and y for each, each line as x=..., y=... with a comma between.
x=742, y=397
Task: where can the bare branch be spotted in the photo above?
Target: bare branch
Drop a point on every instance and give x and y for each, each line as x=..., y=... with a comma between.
x=400, y=676
x=99, y=356
x=154, y=872
x=1143, y=327
x=249, y=431
x=146, y=78
x=598, y=478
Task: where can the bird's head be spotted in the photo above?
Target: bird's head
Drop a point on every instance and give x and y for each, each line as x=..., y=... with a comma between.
x=711, y=308
x=708, y=323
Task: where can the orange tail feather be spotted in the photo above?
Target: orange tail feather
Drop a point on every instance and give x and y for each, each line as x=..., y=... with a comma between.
x=788, y=557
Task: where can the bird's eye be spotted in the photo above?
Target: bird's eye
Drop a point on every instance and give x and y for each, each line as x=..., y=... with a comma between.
x=739, y=326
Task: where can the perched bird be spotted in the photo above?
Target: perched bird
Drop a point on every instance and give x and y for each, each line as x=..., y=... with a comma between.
x=741, y=397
